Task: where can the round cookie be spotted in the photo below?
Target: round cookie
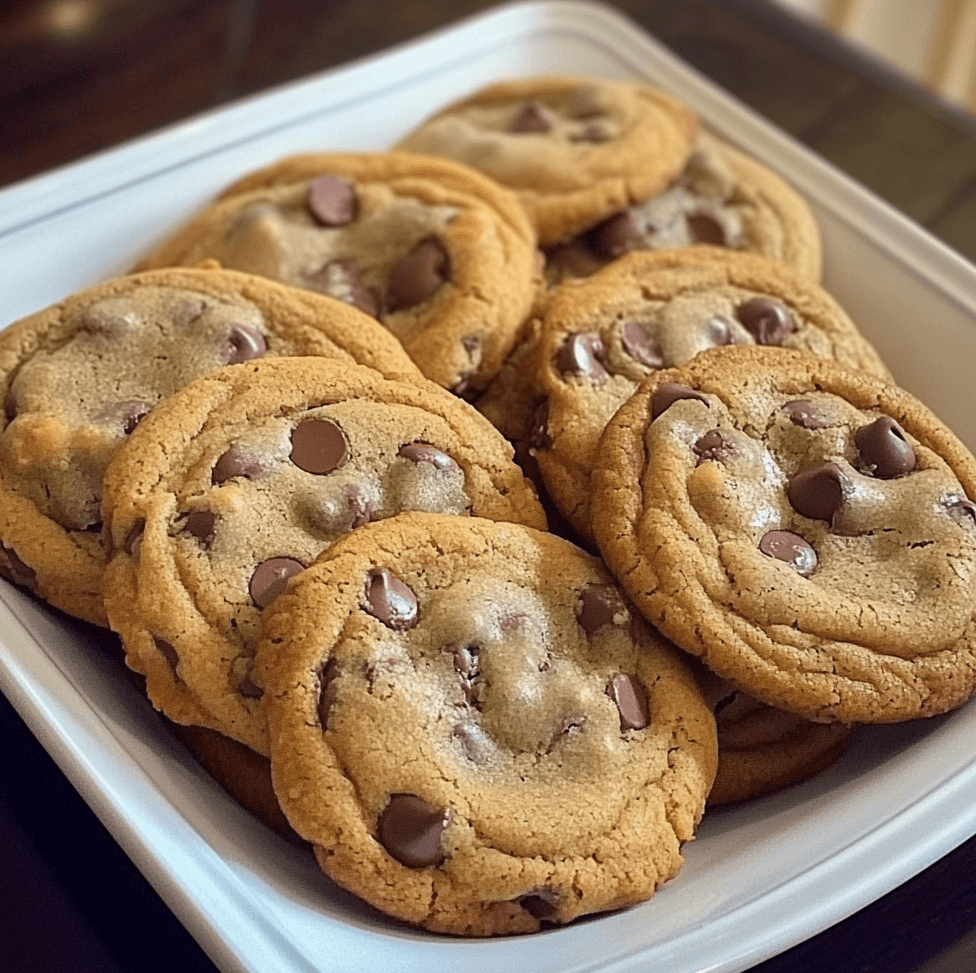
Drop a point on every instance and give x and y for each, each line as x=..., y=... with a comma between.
x=241, y=479
x=442, y=256
x=762, y=749
x=807, y=530
x=540, y=755
x=573, y=149
x=78, y=376
x=600, y=336
x=723, y=197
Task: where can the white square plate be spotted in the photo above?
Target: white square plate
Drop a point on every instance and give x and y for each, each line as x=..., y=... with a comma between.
x=759, y=878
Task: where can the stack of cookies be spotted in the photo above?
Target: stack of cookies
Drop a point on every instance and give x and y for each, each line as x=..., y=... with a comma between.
x=482, y=510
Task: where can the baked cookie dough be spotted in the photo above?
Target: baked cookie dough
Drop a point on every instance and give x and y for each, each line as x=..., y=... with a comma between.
x=723, y=197
x=77, y=377
x=602, y=335
x=573, y=149
x=442, y=256
x=242, y=479
x=475, y=732
x=807, y=530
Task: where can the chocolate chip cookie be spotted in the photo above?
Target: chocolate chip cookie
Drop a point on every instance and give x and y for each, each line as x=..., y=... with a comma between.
x=602, y=335
x=807, y=530
x=77, y=377
x=444, y=257
x=573, y=149
x=475, y=731
x=237, y=482
x=723, y=197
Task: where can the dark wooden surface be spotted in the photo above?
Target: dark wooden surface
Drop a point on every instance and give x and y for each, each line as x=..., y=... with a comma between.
x=70, y=900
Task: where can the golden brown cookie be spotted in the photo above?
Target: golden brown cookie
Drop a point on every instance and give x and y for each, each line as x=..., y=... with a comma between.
x=807, y=530
x=600, y=336
x=241, y=479
x=724, y=197
x=573, y=149
x=475, y=732
x=78, y=376
x=444, y=257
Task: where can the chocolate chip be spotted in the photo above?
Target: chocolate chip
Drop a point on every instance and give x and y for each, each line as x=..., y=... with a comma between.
x=786, y=546
x=198, y=524
x=327, y=691
x=15, y=569
x=885, y=453
x=705, y=228
x=581, y=354
x=539, y=437
x=631, y=701
x=133, y=413
x=531, y=117
x=331, y=201
x=318, y=446
x=804, y=414
x=599, y=605
x=418, y=275
x=961, y=509
x=568, y=726
x=477, y=747
x=721, y=330
x=425, y=453
x=639, y=344
x=411, y=830
x=340, y=279
x=666, y=395
x=390, y=600
x=466, y=659
x=615, y=236
x=235, y=463
x=818, y=492
x=270, y=578
x=361, y=511
x=769, y=322
x=541, y=904
x=248, y=688
x=132, y=540
x=714, y=446
x=244, y=344
x=168, y=651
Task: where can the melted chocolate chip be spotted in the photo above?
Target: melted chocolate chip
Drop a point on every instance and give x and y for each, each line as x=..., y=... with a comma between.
x=199, y=524
x=235, y=463
x=133, y=413
x=581, y=354
x=541, y=904
x=390, y=600
x=531, y=117
x=318, y=446
x=665, y=396
x=639, y=344
x=418, y=275
x=714, y=446
x=425, y=453
x=615, y=236
x=961, y=509
x=474, y=741
x=244, y=344
x=784, y=545
x=720, y=330
x=769, y=322
x=885, y=453
x=818, y=492
x=327, y=691
x=631, y=701
x=331, y=201
x=340, y=279
x=411, y=830
x=599, y=605
x=270, y=578
x=705, y=228
x=804, y=414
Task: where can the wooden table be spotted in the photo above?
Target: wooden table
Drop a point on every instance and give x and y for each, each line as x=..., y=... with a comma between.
x=70, y=900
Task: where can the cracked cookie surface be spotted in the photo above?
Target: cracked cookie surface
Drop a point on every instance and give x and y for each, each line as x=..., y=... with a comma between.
x=476, y=732
x=808, y=531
